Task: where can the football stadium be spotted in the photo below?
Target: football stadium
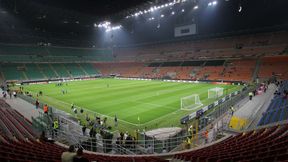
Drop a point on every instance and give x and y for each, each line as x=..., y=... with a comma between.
x=144, y=80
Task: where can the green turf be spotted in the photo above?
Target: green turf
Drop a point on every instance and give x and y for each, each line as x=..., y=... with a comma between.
x=154, y=102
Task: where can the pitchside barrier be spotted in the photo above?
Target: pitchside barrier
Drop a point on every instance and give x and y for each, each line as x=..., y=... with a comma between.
x=70, y=133
x=219, y=107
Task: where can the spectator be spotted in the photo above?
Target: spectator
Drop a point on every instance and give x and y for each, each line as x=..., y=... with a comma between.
x=87, y=118
x=4, y=94
x=43, y=137
x=250, y=95
x=14, y=94
x=84, y=130
x=232, y=110
x=45, y=109
x=206, y=136
x=164, y=150
x=37, y=104
x=150, y=149
x=75, y=110
x=69, y=155
x=79, y=157
x=116, y=121
x=55, y=127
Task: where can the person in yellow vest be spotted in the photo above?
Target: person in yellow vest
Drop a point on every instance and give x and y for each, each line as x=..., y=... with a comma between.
x=250, y=95
x=188, y=143
x=55, y=127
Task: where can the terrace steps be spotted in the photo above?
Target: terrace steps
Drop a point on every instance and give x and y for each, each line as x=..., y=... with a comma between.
x=41, y=71
x=25, y=75
x=82, y=69
x=51, y=67
x=66, y=69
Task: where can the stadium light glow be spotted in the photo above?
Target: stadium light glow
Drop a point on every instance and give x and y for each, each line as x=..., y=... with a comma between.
x=240, y=9
x=162, y=15
x=113, y=28
x=214, y=3
x=154, y=8
x=182, y=10
x=195, y=7
x=172, y=13
x=151, y=18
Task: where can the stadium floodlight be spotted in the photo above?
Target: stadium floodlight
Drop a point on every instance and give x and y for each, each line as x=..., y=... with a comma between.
x=190, y=102
x=214, y=3
x=162, y=15
x=172, y=13
x=195, y=7
x=210, y=4
x=183, y=10
x=240, y=8
x=158, y=26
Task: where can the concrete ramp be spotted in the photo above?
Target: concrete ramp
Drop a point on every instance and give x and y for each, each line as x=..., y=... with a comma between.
x=247, y=113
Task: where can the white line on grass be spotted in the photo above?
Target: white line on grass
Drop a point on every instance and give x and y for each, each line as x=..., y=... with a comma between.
x=93, y=112
x=124, y=121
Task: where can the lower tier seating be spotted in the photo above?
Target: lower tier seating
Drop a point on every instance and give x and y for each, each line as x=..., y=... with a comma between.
x=263, y=145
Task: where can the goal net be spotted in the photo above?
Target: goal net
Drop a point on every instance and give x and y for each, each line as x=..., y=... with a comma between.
x=190, y=102
x=215, y=92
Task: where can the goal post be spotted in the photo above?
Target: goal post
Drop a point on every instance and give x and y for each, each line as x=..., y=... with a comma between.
x=191, y=102
x=215, y=92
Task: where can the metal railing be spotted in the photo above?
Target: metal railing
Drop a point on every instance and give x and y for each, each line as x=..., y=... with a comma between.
x=70, y=133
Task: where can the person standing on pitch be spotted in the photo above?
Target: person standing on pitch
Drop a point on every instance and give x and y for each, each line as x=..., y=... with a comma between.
x=115, y=121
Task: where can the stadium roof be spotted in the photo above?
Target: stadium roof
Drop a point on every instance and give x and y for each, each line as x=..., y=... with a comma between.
x=75, y=18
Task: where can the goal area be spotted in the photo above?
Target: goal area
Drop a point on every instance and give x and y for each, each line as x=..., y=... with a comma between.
x=215, y=92
x=191, y=102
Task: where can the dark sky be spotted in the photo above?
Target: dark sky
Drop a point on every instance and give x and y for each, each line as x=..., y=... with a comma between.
x=61, y=17
x=94, y=7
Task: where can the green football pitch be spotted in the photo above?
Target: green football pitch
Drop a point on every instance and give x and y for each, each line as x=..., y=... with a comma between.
x=134, y=102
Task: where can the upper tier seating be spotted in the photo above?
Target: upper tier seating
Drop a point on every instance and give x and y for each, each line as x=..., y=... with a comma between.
x=229, y=47
x=31, y=53
x=274, y=66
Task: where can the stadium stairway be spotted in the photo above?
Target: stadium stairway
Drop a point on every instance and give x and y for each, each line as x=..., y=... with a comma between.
x=53, y=69
x=26, y=109
x=41, y=71
x=84, y=71
x=246, y=115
